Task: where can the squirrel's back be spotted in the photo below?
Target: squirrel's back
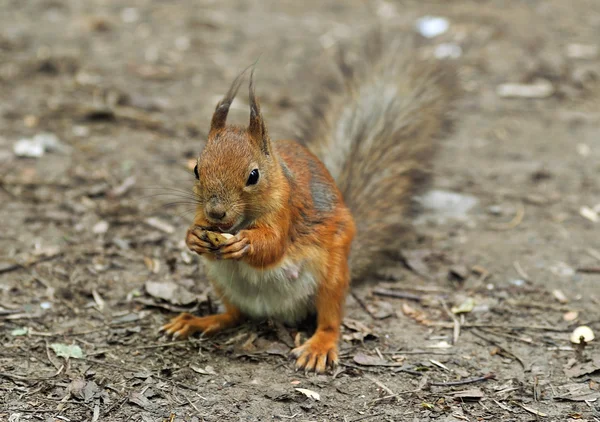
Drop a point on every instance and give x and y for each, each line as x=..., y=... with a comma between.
x=375, y=124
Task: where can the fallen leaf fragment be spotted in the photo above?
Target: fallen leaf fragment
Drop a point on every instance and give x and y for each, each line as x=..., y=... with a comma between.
x=576, y=392
x=67, y=351
x=19, y=332
x=471, y=394
x=465, y=307
x=208, y=370
x=534, y=411
x=140, y=400
x=366, y=360
x=419, y=316
x=590, y=214
x=309, y=393
x=160, y=225
x=361, y=331
x=576, y=370
x=539, y=89
x=170, y=292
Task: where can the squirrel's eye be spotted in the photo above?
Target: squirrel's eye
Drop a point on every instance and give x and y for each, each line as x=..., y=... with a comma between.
x=196, y=172
x=253, y=178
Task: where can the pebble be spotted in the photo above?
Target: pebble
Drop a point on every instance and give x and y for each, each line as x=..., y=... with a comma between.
x=37, y=146
x=582, y=51
x=100, y=227
x=539, y=89
x=432, y=26
x=447, y=51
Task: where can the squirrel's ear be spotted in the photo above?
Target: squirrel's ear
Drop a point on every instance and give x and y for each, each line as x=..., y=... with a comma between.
x=220, y=115
x=257, y=128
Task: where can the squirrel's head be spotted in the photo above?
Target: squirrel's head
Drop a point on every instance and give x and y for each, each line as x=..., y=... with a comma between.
x=236, y=170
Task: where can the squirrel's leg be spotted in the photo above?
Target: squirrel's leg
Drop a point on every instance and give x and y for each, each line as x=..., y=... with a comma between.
x=320, y=351
x=186, y=324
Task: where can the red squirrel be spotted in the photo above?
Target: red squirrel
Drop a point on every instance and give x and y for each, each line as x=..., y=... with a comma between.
x=307, y=217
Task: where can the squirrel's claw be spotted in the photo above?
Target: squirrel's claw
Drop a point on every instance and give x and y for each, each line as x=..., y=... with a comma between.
x=316, y=355
x=235, y=248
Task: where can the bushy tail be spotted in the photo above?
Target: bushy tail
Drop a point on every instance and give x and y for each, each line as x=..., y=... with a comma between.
x=375, y=123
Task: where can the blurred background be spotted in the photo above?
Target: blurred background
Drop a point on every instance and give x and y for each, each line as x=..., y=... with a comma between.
x=104, y=106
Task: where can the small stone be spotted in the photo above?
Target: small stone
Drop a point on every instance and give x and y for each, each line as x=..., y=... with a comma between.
x=582, y=51
x=130, y=15
x=432, y=26
x=101, y=227
x=539, y=89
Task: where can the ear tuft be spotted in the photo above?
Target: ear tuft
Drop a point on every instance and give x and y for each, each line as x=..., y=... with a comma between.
x=219, y=118
x=257, y=128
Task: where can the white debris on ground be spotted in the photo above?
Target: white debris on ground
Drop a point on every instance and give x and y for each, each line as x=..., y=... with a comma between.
x=432, y=26
x=37, y=146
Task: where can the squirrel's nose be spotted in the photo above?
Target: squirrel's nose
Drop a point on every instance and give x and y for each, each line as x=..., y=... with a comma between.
x=216, y=213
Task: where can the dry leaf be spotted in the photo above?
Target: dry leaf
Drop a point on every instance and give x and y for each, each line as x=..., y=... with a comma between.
x=170, y=292
x=465, y=307
x=208, y=370
x=361, y=331
x=309, y=393
x=160, y=225
x=590, y=214
x=380, y=309
x=152, y=264
x=576, y=392
x=367, y=360
x=471, y=394
x=575, y=370
x=417, y=315
x=139, y=399
x=534, y=411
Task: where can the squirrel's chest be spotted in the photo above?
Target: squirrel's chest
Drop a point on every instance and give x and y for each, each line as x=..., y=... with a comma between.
x=284, y=293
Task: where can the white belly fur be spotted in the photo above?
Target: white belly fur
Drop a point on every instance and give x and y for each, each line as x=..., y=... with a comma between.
x=283, y=293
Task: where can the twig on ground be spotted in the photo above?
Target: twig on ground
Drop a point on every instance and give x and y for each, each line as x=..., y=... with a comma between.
x=503, y=327
x=456, y=323
x=486, y=377
x=17, y=266
x=589, y=270
x=524, y=340
x=397, y=295
x=190, y=402
x=518, y=218
x=521, y=271
x=594, y=253
x=170, y=344
x=362, y=418
x=361, y=303
x=381, y=385
x=501, y=347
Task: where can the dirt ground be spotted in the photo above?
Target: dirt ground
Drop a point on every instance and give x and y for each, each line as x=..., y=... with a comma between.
x=92, y=260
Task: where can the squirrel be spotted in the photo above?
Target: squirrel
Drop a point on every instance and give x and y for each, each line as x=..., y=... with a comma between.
x=306, y=217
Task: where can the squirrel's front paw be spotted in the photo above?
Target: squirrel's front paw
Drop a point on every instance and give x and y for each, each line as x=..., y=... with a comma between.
x=195, y=241
x=318, y=353
x=236, y=247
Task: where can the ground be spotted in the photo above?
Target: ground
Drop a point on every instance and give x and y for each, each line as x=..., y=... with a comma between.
x=92, y=260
